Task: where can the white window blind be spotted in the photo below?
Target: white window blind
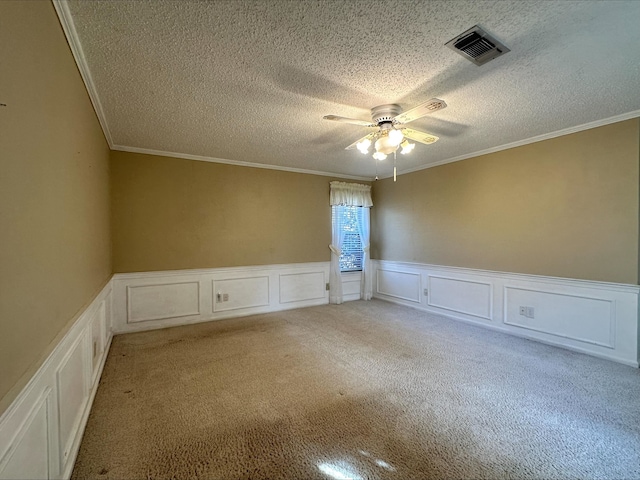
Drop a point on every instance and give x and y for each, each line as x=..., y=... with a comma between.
x=348, y=219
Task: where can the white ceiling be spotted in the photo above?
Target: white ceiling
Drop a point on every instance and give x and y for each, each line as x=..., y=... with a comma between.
x=250, y=80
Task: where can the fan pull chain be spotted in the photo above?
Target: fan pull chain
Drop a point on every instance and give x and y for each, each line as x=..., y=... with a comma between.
x=394, y=166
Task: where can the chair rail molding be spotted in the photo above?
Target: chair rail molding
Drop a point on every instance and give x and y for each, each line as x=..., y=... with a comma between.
x=40, y=432
x=150, y=300
x=596, y=318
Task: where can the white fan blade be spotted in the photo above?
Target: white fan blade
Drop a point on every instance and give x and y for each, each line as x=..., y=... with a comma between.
x=371, y=136
x=429, y=106
x=418, y=136
x=353, y=121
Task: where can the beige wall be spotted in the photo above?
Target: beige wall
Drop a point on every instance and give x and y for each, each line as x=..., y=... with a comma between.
x=565, y=207
x=54, y=208
x=172, y=213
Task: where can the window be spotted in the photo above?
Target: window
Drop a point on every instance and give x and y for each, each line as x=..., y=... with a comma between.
x=348, y=219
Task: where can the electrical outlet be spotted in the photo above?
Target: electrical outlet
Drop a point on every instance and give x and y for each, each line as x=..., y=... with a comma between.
x=225, y=297
x=528, y=312
x=327, y=287
x=426, y=292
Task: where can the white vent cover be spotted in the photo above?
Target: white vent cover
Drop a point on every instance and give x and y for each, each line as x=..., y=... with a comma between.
x=477, y=46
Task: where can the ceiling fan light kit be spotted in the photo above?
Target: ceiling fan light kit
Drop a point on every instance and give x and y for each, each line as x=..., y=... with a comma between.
x=364, y=145
x=391, y=133
x=389, y=120
x=407, y=147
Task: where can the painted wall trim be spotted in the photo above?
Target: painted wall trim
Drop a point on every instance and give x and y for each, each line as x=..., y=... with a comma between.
x=30, y=449
x=222, y=293
x=69, y=28
x=609, y=343
x=622, y=287
x=32, y=441
x=507, y=146
x=30, y=437
x=489, y=304
x=205, y=271
x=66, y=20
x=239, y=163
x=519, y=143
x=595, y=318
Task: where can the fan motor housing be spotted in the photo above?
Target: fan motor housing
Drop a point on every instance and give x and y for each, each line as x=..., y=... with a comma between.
x=385, y=113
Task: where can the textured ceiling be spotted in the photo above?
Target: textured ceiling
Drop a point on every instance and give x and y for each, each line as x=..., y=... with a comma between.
x=250, y=80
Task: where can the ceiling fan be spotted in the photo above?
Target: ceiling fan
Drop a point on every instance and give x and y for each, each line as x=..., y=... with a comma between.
x=391, y=133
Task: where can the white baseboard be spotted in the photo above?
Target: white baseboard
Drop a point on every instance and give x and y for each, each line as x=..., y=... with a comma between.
x=40, y=432
x=596, y=318
x=151, y=300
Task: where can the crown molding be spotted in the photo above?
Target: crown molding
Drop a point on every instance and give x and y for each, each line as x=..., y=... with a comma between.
x=69, y=28
x=519, y=143
x=539, y=138
x=201, y=158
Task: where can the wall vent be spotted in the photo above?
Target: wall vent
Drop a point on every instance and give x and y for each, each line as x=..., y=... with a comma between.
x=477, y=46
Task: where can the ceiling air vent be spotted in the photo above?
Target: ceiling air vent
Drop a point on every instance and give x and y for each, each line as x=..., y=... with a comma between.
x=477, y=46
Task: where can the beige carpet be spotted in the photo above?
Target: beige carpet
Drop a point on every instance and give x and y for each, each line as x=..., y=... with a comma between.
x=362, y=390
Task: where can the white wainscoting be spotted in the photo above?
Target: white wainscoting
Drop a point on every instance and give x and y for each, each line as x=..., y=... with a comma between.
x=150, y=300
x=461, y=296
x=242, y=293
x=159, y=301
x=350, y=286
x=297, y=287
x=41, y=430
x=578, y=317
x=397, y=284
x=596, y=318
